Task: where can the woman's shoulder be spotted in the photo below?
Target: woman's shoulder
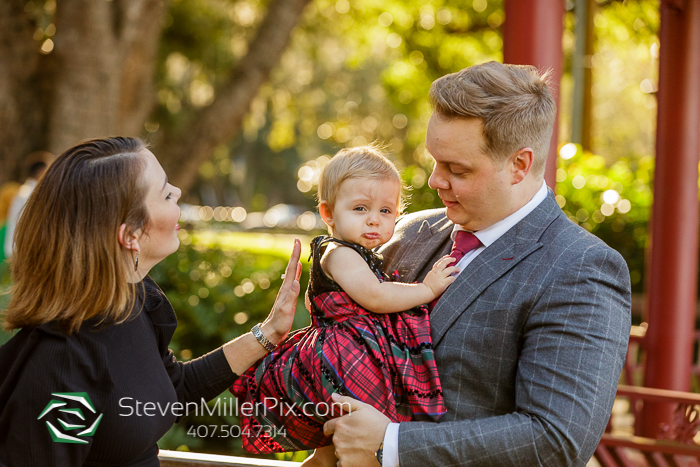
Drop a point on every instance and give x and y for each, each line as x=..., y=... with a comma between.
x=46, y=358
x=48, y=346
x=159, y=312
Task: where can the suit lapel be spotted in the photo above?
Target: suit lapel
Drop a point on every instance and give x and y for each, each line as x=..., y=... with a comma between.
x=427, y=243
x=501, y=256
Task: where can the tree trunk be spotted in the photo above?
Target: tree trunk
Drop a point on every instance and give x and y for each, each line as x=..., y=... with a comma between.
x=104, y=60
x=21, y=109
x=97, y=80
x=221, y=120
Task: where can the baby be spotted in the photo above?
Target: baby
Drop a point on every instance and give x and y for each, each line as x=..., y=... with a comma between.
x=369, y=336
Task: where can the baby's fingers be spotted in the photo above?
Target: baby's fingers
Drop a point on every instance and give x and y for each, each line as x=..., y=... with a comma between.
x=443, y=262
x=451, y=271
x=446, y=281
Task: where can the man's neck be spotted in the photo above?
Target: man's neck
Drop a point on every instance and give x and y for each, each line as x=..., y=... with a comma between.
x=490, y=234
x=523, y=193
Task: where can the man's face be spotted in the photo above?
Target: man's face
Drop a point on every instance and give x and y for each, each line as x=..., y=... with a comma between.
x=476, y=192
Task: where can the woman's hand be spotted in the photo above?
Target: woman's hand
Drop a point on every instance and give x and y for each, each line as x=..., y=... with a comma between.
x=279, y=322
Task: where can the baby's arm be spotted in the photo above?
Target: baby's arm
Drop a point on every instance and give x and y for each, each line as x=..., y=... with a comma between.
x=351, y=272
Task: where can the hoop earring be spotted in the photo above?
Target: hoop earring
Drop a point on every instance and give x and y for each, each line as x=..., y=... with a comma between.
x=136, y=262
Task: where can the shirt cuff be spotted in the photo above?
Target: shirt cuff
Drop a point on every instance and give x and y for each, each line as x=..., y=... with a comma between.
x=391, y=446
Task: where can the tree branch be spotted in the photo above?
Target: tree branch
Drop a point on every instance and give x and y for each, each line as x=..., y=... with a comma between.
x=220, y=121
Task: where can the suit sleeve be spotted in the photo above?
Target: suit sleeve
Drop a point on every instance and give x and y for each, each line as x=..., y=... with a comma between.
x=55, y=365
x=574, y=342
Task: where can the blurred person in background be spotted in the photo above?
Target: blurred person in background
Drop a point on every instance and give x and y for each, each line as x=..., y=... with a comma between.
x=7, y=193
x=36, y=163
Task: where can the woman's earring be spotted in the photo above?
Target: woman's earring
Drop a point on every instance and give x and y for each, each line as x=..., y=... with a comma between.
x=136, y=263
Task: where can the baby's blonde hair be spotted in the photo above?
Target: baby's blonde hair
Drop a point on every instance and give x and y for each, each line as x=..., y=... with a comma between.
x=359, y=162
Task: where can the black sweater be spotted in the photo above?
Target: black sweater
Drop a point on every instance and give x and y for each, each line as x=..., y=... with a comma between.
x=118, y=368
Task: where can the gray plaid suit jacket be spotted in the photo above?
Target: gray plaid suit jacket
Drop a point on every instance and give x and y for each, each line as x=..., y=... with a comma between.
x=529, y=342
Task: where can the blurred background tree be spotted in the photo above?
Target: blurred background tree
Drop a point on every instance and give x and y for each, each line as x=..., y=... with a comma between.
x=192, y=77
x=76, y=69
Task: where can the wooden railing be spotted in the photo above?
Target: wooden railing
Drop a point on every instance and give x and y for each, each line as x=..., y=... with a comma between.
x=675, y=445
x=195, y=459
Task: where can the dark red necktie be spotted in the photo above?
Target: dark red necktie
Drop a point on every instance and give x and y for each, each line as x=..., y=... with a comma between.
x=463, y=244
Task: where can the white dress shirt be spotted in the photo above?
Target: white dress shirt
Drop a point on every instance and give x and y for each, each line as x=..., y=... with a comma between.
x=486, y=236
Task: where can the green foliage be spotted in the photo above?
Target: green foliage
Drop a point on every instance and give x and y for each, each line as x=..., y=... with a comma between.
x=355, y=72
x=360, y=71
x=585, y=183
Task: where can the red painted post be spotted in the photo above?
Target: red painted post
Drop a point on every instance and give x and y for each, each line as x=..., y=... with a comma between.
x=673, y=272
x=532, y=35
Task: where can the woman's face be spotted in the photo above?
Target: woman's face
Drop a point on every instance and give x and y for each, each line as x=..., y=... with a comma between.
x=160, y=237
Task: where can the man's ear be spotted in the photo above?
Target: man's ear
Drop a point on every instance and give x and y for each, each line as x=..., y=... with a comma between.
x=129, y=241
x=521, y=164
x=326, y=213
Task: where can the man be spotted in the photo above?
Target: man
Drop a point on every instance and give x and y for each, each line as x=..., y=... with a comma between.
x=530, y=338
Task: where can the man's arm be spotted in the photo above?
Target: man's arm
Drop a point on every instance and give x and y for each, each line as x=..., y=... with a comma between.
x=574, y=343
x=573, y=348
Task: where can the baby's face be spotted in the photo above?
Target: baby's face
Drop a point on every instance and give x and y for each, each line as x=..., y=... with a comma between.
x=365, y=211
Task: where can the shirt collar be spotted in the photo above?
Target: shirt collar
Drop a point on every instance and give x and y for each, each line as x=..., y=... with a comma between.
x=493, y=232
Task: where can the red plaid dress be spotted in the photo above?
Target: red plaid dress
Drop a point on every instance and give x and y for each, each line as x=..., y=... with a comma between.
x=385, y=360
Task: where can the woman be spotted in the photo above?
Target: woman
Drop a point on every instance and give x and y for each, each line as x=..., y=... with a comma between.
x=92, y=354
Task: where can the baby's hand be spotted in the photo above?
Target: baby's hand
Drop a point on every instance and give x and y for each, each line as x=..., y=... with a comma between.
x=441, y=276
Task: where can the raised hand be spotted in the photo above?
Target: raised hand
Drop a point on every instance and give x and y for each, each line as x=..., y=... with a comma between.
x=278, y=323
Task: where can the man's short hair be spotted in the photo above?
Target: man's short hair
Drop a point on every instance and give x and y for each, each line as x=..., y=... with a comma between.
x=512, y=101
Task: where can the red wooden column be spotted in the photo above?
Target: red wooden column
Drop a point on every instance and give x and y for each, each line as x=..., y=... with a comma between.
x=673, y=271
x=532, y=34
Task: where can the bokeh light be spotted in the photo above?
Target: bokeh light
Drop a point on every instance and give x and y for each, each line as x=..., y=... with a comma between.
x=568, y=151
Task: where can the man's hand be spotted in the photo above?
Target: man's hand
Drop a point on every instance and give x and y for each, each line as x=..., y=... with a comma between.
x=357, y=434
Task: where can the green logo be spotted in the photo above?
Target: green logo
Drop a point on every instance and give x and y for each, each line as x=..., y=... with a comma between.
x=73, y=414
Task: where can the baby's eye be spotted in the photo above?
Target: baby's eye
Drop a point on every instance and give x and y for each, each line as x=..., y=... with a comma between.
x=360, y=208
x=386, y=211
x=169, y=196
